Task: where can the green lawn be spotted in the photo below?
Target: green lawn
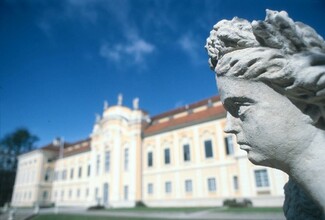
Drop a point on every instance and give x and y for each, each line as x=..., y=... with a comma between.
x=251, y=209
x=198, y=209
x=158, y=210
x=80, y=217
x=166, y=209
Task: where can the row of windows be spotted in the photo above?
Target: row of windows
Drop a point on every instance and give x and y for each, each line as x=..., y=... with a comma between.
x=107, y=165
x=63, y=175
x=208, y=149
x=261, y=180
x=188, y=186
x=60, y=194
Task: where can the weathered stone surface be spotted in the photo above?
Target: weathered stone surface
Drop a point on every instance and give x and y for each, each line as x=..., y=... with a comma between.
x=271, y=78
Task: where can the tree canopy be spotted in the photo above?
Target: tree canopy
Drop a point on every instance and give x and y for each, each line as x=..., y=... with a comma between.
x=11, y=145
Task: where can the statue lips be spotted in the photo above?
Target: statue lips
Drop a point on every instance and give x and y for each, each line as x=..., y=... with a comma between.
x=243, y=145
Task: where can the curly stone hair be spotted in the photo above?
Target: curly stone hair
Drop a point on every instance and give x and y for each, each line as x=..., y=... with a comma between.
x=286, y=55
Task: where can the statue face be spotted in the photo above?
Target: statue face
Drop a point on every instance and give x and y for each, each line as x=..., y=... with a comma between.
x=271, y=129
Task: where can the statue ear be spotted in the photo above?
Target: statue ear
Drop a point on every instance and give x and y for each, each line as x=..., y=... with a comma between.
x=313, y=111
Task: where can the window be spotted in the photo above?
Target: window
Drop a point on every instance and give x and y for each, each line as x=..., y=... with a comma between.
x=44, y=195
x=235, y=182
x=212, y=184
x=126, y=159
x=107, y=161
x=167, y=156
x=150, y=188
x=71, y=173
x=168, y=187
x=97, y=164
x=96, y=193
x=80, y=172
x=186, y=151
x=47, y=175
x=188, y=186
x=208, y=149
x=70, y=193
x=150, y=159
x=56, y=175
x=64, y=174
x=126, y=192
x=88, y=171
x=78, y=193
x=62, y=194
x=229, y=145
x=261, y=178
x=87, y=192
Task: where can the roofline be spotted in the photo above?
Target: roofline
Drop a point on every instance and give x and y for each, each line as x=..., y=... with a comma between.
x=186, y=107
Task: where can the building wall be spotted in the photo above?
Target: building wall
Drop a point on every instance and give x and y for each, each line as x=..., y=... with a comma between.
x=220, y=167
x=115, y=172
x=30, y=183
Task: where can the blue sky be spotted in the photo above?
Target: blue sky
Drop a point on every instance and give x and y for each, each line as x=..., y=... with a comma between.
x=60, y=59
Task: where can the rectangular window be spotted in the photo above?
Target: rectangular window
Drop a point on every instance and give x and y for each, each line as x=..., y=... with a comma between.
x=229, y=145
x=186, y=151
x=71, y=173
x=96, y=193
x=107, y=161
x=62, y=194
x=44, y=195
x=87, y=192
x=212, y=184
x=208, y=149
x=168, y=187
x=126, y=159
x=188, y=186
x=167, y=156
x=235, y=182
x=80, y=172
x=150, y=188
x=150, y=159
x=78, y=193
x=56, y=175
x=47, y=175
x=70, y=193
x=261, y=178
x=64, y=174
x=88, y=171
x=126, y=192
x=97, y=164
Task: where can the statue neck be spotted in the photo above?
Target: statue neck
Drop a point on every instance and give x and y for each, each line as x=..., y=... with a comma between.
x=308, y=170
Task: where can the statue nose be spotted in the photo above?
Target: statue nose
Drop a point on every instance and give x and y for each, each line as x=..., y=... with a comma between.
x=231, y=124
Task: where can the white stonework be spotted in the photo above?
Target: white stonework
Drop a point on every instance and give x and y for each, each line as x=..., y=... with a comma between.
x=271, y=78
x=117, y=154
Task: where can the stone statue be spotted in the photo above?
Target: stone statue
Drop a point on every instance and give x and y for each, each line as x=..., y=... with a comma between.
x=106, y=105
x=271, y=79
x=98, y=118
x=119, y=99
x=136, y=103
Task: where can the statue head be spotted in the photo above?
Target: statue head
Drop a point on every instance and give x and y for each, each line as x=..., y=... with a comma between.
x=271, y=78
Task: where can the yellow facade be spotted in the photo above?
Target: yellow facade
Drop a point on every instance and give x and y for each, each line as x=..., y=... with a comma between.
x=178, y=158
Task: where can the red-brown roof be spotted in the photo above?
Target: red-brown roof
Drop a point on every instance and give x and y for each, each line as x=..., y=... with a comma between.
x=210, y=113
x=70, y=148
x=186, y=108
x=77, y=147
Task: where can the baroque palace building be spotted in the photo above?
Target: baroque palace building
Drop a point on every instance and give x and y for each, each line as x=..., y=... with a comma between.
x=178, y=158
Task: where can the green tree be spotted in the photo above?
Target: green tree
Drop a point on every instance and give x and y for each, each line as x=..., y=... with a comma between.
x=18, y=142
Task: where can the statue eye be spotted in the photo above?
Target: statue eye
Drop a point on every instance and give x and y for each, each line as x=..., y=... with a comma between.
x=241, y=108
x=238, y=106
